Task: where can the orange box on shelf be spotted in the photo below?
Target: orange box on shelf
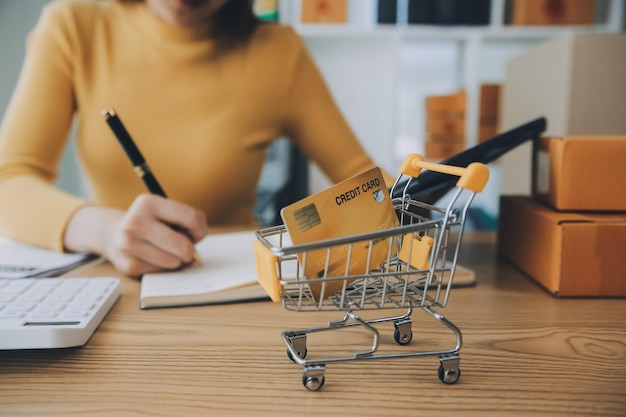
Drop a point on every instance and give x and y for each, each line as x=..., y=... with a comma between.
x=445, y=126
x=324, y=11
x=442, y=150
x=550, y=12
x=448, y=103
x=445, y=115
x=580, y=172
x=568, y=253
x=486, y=132
x=446, y=138
x=489, y=110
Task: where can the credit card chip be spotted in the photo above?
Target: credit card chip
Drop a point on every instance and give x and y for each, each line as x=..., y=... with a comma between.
x=307, y=217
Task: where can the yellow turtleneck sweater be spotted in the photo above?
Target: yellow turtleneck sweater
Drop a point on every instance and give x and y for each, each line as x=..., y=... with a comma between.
x=202, y=120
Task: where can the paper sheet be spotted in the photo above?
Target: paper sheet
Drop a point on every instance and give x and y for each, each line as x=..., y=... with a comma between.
x=19, y=260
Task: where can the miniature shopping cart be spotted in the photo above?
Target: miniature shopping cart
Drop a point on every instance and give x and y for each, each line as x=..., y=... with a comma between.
x=417, y=272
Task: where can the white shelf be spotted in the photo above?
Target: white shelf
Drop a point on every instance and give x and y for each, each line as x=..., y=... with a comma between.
x=430, y=32
x=337, y=47
x=362, y=22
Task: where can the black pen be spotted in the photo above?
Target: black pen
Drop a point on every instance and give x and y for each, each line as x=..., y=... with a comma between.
x=136, y=158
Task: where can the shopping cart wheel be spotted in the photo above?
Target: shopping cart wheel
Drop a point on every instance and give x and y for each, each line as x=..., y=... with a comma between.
x=402, y=333
x=449, y=376
x=449, y=371
x=313, y=378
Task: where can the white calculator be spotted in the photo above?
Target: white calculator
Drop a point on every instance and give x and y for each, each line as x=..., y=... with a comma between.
x=47, y=313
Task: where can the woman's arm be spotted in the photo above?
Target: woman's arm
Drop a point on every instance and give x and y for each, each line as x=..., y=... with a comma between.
x=33, y=136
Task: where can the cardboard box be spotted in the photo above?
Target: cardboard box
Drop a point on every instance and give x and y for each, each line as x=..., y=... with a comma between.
x=576, y=81
x=550, y=12
x=489, y=109
x=448, y=103
x=581, y=172
x=446, y=138
x=324, y=11
x=570, y=254
x=445, y=126
x=441, y=149
x=486, y=131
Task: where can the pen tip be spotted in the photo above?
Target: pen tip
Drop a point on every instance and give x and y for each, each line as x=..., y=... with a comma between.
x=197, y=259
x=108, y=112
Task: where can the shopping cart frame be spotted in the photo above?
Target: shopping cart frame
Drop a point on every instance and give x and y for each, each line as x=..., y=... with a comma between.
x=418, y=273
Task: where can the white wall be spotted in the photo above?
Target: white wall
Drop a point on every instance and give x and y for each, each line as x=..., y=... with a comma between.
x=17, y=17
x=381, y=83
x=361, y=74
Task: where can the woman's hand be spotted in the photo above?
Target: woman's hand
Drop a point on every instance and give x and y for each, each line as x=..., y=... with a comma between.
x=142, y=239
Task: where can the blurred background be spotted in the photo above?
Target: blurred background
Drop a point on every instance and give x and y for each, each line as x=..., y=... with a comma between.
x=425, y=76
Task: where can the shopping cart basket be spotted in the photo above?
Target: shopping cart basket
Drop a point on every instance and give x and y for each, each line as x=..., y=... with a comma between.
x=418, y=272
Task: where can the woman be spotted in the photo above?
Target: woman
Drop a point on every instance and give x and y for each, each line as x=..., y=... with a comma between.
x=203, y=88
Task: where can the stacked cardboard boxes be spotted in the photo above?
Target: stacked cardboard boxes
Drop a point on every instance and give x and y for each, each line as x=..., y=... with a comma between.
x=568, y=230
x=445, y=125
x=570, y=234
x=446, y=120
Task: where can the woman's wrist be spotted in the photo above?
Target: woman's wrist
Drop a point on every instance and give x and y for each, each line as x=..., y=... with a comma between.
x=90, y=228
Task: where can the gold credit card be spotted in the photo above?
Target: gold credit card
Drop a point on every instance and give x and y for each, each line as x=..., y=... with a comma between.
x=357, y=205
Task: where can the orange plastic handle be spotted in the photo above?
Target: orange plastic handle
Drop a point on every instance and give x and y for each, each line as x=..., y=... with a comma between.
x=474, y=177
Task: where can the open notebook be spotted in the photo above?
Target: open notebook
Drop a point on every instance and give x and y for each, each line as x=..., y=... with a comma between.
x=227, y=274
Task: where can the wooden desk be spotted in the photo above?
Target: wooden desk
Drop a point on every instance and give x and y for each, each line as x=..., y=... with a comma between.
x=525, y=353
